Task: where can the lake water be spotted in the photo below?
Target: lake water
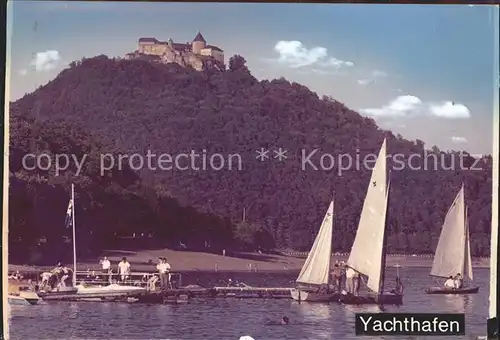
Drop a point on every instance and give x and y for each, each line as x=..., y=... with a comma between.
x=221, y=319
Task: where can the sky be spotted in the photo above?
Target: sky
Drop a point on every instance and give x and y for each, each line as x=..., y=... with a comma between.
x=423, y=71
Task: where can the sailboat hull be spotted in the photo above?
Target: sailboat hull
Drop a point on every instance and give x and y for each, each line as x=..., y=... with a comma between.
x=454, y=291
x=310, y=296
x=384, y=299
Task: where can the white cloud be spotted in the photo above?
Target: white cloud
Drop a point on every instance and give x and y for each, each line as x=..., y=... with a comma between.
x=372, y=79
x=295, y=55
x=23, y=72
x=337, y=63
x=378, y=74
x=408, y=105
x=450, y=110
x=456, y=139
x=46, y=61
x=364, y=82
x=401, y=106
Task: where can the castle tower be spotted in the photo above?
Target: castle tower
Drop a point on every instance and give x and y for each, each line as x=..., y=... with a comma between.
x=198, y=44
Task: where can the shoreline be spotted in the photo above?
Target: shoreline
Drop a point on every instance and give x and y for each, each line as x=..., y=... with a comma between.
x=188, y=262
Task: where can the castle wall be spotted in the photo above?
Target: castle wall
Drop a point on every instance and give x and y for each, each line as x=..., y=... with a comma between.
x=210, y=52
x=155, y=49
x=143, y=47
x=171, y=53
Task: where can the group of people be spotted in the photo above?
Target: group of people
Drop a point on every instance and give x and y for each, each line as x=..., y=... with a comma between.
x=60, y=276
x=348, y=280
x=345, y=279
x=16, y=276
x=123, y=268
x=454, y=282
x=163, y=268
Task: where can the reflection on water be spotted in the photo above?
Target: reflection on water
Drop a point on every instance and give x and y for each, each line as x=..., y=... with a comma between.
x=353, y=309
x=455, y=302
x=221, y=319
x=314, y=310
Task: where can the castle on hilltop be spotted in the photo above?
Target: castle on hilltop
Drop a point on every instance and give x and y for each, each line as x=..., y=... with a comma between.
x=196, y=54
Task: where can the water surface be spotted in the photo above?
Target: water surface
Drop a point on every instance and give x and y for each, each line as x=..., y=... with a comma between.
x=221, y=319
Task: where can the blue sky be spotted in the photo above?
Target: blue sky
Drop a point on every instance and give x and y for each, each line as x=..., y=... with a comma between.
x=422, y=71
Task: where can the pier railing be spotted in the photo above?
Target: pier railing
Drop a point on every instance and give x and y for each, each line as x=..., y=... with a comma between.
x=139, y=279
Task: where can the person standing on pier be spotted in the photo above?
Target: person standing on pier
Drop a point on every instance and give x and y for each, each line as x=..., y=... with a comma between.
x=162, y=270
x=167, y=272
x=106, y=268
x=106, y=265
x=124, y=268
x=64, y=277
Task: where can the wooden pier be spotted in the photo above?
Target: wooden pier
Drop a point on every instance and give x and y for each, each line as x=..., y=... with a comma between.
x=151, y=294
x=179, y=295
x=183, y=295
x=253, y=292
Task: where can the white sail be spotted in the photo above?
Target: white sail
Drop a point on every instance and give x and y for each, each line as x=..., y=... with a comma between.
x=363, y=257
x=375, y=278
x=316, y=269
x=450, y=256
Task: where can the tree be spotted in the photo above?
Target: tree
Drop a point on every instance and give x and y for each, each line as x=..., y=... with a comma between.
x=247, y=234
x=238, y=63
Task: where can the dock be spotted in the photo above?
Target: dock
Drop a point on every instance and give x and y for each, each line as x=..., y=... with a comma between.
x=178, y=295
x=151, y=294
x=253, y=292
x=182, y=295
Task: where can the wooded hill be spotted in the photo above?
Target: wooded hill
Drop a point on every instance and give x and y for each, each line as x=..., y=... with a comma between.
x=101, y=105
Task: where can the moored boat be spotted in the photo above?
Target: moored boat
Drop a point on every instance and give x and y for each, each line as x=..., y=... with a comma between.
x=25, y=298
x=111, y=292
x=108, y=290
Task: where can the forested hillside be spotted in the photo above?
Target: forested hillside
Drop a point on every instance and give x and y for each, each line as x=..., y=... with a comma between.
x=101, y=106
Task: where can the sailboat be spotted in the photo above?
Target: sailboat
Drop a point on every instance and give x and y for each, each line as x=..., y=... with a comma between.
x=316, y=270
x=367, y=255
x=453, y=254
x=81, y=292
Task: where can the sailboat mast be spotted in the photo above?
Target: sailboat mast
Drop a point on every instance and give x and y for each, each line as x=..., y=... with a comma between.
x=465, y=244
x=466, y=231
x=74, y=230
x=384, y=243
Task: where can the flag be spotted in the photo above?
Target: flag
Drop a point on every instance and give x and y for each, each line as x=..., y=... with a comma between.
x=69, y=214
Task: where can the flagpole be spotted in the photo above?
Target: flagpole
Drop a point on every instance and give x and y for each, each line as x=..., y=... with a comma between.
x=74, y=233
